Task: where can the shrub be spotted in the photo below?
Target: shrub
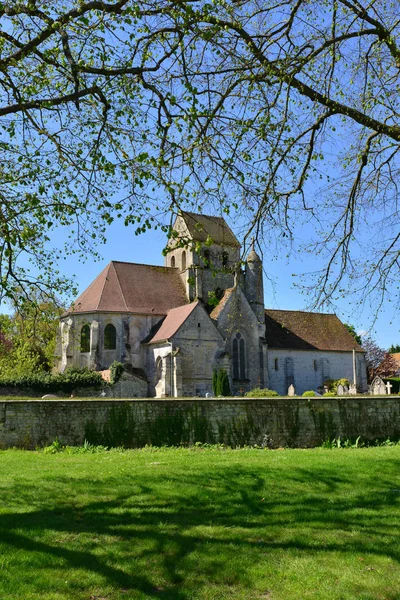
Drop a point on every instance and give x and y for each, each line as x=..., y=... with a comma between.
x=308, y=394
x=331, y=394
x=72, y=378
x=221, y=385
x=395, y=381
x=116, y=370
x=332, y=384
x=262, y=393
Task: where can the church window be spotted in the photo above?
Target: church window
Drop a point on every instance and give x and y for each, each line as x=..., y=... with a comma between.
x=85, y=338
x=276, y=364
x=110, y=337
x=225, y=259
x=315, y=365
x=183, y=260
x=239, y=357
x=173, y=261
x=206, y=259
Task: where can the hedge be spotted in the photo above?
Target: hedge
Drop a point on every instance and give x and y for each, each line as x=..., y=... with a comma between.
x=67, y=382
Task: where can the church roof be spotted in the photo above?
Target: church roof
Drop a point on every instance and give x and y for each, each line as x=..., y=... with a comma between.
x=132, y=288
x=299, y=330
x=172, y=322
x=203, y=226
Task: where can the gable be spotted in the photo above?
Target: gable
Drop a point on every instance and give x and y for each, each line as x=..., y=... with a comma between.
x=234, y=312
x=200, y=228
x=191, y=320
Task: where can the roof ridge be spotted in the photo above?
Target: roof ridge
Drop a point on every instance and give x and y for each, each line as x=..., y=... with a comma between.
x=104, y=283
x=306, y=312
x=120, y=287
x=126, y=262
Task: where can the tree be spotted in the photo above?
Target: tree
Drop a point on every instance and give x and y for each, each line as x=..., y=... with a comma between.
x=28, y=338
x=353, y=332
x=378, y=361
x=394, y=349
x=283, y=112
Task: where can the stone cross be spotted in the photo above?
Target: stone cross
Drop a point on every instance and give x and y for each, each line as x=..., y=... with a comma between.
x=291, y=390
x=388, y=387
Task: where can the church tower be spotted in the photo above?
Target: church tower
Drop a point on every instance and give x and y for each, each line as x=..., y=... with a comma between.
x=206, y=252
x=253, y=284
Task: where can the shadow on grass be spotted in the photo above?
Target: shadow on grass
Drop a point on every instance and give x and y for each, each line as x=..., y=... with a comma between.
x=167, y=518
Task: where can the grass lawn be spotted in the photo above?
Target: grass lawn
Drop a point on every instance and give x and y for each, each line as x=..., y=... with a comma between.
x=200, y=524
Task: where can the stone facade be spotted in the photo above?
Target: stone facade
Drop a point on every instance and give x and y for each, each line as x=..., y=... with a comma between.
x=203, y=311
x=294, y=422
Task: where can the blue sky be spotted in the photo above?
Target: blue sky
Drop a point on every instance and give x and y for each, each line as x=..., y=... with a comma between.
x=279, y=288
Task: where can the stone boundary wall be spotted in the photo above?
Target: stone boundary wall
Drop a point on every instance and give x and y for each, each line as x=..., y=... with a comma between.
x=271, y=422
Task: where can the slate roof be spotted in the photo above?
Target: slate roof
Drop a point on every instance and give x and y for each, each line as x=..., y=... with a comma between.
x=132, y=288
x=299, y=330
x=172, y=322
x=203, y=226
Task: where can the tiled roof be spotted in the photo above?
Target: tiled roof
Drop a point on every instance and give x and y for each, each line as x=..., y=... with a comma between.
x=172, y=322
x=218, y=309
x=307, y=331
x=132, y=288
x=203, y=226
x=396, y=356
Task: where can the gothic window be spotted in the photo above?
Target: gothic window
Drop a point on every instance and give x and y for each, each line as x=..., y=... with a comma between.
x=173, y=261
x=183, y=260
x=239, y=357
x=85, y=338
x=110, y=337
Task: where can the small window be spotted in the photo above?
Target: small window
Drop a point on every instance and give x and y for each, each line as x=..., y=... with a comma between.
x=184, y=261
x=276, y=364
x=110, y=337
x=225, y=260
x=206, y=259
x=173, y=261
x=85, y=338
x=315, y=365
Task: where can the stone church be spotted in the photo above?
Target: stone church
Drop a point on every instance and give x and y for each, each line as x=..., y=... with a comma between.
x=172, y=325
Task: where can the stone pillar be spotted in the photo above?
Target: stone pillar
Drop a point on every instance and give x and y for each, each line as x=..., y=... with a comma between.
x=94, y=344
x=177, y=375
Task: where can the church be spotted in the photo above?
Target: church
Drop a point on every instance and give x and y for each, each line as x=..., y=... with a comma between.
x=172, y=326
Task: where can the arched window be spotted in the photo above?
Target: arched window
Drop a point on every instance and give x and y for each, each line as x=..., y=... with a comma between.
x=183, y=260
x=173, y=261
x=85, y=338
x=225, y=260
x=110, y=337
x=239, y=357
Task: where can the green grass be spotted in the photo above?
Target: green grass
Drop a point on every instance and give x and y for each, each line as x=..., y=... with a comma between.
x=200, y=524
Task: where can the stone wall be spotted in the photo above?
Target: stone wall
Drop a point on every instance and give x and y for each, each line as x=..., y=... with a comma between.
x=236, y=422
x=310, y=368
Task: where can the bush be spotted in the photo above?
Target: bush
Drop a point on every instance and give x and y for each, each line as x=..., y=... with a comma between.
x=116, y=370
x=331, y=394
x=395, y=381
x=309, y=394
x=262, y=393
x=332, y=384
x=67, y=382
